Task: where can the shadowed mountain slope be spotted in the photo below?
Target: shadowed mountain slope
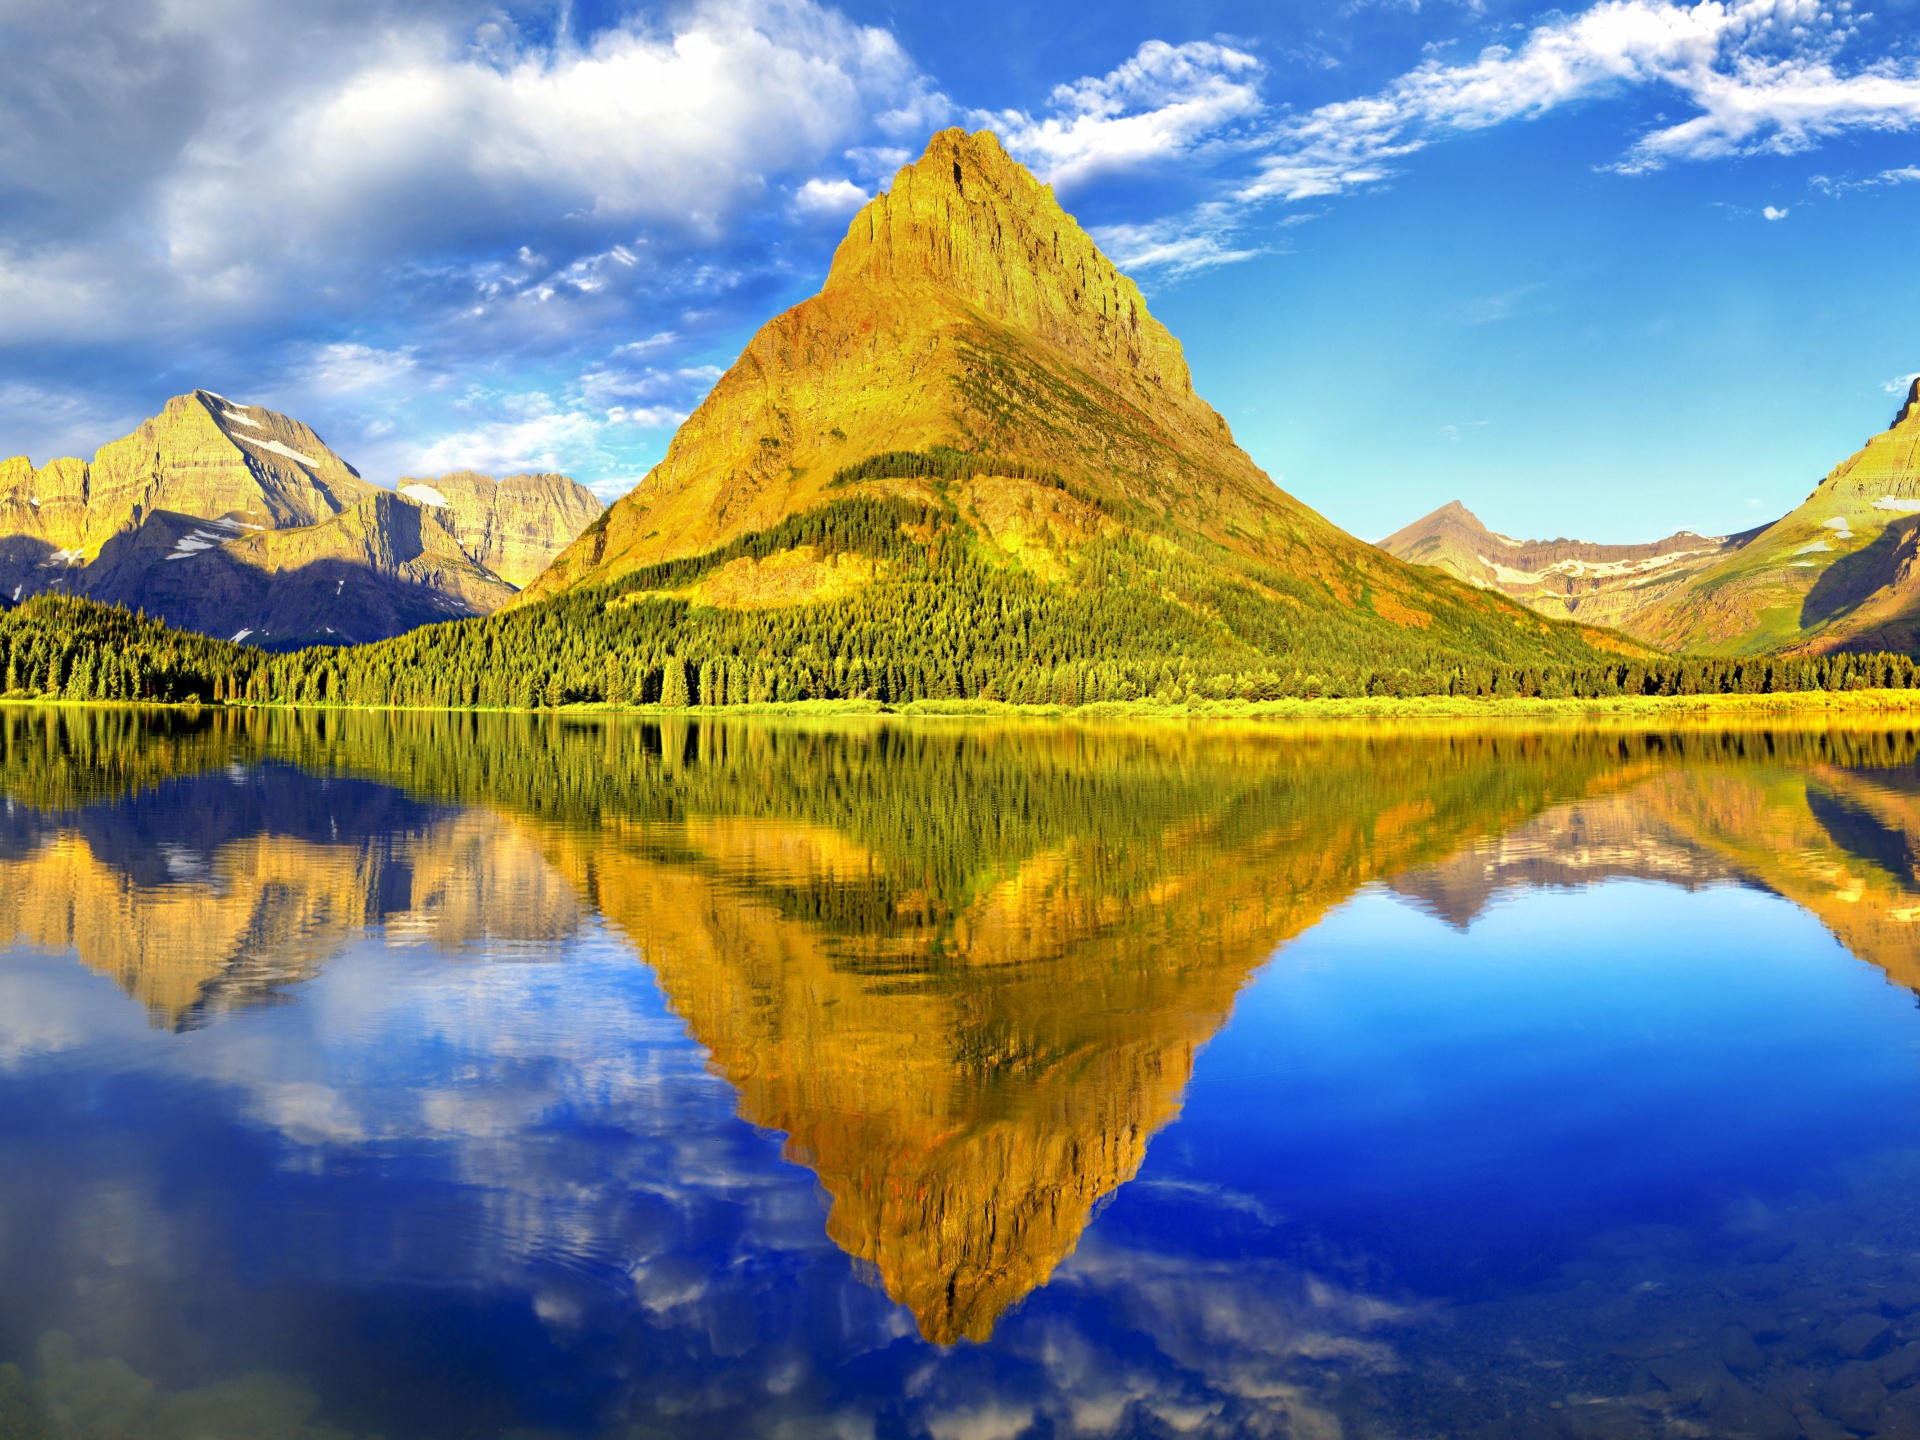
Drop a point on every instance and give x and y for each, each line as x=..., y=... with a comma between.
x=1568, y=579
x=974, y=357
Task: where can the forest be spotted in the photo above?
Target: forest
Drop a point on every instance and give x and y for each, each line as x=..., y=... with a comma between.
x=941, y=620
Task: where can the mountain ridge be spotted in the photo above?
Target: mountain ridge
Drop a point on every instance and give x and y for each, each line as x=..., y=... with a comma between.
x=236, y=521
x=1568, y=579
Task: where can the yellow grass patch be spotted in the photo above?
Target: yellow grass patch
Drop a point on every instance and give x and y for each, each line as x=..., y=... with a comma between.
x=791, y=577
x=1388, y=608
x=1033, y=524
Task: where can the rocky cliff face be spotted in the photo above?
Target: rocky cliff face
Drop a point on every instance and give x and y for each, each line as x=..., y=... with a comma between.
x=1568, y=579
x=1835, y=574
x=514, y=527
x=379, y=568
x=239, y=522
x=202, y=458
x=970, y=324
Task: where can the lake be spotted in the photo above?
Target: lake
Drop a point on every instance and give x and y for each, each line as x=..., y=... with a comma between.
x=520, y=1076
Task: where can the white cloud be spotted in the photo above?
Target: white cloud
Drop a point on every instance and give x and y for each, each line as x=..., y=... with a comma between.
x=1178, y=246
x=1160, y=104
x=1772, y=213
x=671, y=129
x=348, y=368
x=1763, y=75
x=399, y=139
x=829, y=197
x=537, y=433
x=1900, y=384
x=1757, y=75
x=1899, y=175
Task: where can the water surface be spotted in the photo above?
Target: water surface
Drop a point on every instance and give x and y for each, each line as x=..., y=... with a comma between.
x=451, y=1076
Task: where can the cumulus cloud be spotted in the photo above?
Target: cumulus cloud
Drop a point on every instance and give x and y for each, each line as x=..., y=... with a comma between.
x=829, y=197
x=664, y=128
x=1774, y=213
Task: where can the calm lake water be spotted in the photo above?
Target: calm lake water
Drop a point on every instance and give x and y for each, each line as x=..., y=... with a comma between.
x=513, y=1077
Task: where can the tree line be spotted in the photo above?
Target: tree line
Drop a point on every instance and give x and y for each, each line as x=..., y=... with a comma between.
x=946, y=618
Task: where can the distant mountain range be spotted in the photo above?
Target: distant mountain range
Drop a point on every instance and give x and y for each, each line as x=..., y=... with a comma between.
x=1568, y=579
x=235, y=521
x=1838, y=573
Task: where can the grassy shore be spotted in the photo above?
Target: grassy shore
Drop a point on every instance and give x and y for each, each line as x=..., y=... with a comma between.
x=1809, y=704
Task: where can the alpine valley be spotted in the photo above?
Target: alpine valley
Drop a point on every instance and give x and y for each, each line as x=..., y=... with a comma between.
x=1836, y=574
x=234, y=521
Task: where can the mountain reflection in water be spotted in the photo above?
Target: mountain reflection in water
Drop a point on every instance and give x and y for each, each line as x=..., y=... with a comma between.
x=964, y=972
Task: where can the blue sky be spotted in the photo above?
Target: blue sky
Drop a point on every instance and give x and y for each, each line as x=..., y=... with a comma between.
x=1605, y=271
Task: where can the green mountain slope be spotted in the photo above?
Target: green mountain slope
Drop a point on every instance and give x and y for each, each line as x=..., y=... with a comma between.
x=1835, y=574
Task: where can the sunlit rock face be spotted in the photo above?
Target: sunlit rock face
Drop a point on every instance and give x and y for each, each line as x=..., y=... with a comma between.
x=513, y=527
x=1568, y=579
x=240, y=522
x=235, y=468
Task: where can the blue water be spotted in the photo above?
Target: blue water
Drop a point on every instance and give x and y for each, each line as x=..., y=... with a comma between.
x=1426, y=1178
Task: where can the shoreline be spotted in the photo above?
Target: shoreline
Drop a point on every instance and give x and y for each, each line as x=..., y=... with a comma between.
x=1809, y=703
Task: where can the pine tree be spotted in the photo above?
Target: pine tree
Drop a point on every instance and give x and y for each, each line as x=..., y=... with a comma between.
x=673, y=685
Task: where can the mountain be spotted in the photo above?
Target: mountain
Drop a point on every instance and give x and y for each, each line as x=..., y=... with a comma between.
x=976, y=369
x=1837, y=573
x=379, y=568
x=239, y=522
x=1568, y=579
x=514, y=527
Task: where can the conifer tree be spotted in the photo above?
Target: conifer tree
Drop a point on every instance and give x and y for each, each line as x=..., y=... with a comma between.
x=673, y=684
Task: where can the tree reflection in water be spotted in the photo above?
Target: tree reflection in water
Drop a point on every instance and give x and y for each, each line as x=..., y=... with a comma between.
x=964, y=972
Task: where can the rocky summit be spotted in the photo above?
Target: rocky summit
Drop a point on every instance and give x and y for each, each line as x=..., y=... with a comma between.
x=239, y=522
x=974, y=354
x=1568, y=579
x=1837, y=573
